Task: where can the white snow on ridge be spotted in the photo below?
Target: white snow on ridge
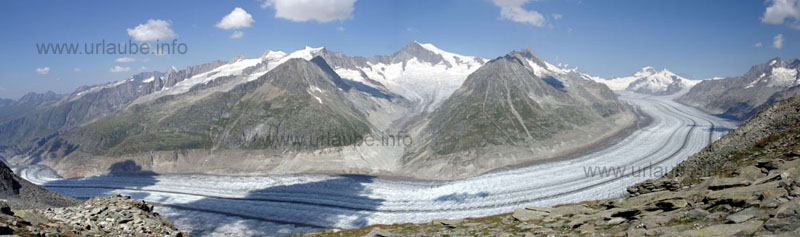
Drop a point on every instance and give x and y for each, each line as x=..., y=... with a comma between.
x=648, y=78
x=617, y=84
x=418, y=81
x=452, y=58
x=783, y=77
x=100, y=87
x=231, y=69
x=270, y=58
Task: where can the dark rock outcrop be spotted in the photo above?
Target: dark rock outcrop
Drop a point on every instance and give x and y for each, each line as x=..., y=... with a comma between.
x=21, y=194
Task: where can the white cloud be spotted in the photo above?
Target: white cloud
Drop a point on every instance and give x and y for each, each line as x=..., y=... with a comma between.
x=152, y=30
x=76, y=69
x=340, y=28
x=43, y=70
x=759, y=45
x=557, y=16
x=143, y=68
x=312, y=10
x=125, y=60
x=119, y=69
x=237, y=19
x=780, y=11
x=777, y=41
x=512, y=10
x=237, y=34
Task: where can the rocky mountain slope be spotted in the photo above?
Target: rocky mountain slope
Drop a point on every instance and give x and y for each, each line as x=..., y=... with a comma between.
x=516, y=108
x=22, y=131
x=741, y=97
x=650, y=81
x=745, y=184
x=21, y=194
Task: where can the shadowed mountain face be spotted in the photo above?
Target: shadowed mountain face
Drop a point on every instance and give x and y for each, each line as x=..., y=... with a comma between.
x=299, y=97
x=512, y=106
x=741, y=97
x=507, y=103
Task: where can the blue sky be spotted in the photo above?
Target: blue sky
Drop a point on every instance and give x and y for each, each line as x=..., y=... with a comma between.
x=699, y=39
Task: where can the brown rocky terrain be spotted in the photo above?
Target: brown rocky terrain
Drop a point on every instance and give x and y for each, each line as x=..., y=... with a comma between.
x=747, y=183
x=99, y=216
x=41, y=212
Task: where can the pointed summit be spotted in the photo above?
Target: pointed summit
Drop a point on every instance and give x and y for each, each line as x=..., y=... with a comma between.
x=269, y=54
x=527, y=55
x=172, y=69
x=237, y=58
x=416, y=50
x=646, y=71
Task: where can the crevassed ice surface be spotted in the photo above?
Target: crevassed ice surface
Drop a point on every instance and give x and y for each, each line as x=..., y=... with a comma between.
x=208, y=205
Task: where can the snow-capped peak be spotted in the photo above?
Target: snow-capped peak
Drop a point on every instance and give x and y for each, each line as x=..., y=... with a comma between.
x=450, y=58
x=650, y=71
x=434, y=49
x=649, y=80
x=306, y=53
x=269, y=54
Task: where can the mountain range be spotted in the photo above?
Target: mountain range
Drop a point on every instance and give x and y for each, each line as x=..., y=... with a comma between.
x=314, y=110
x=742, y=96
x=648, y=80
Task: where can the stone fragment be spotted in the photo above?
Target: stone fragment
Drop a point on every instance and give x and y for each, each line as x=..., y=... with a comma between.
x=378, y=232
x=697, y=213
x=741, y=229
x=528, y=215
x=724, y=183
x=672, y=204
x=447, y=222
x=739, y=218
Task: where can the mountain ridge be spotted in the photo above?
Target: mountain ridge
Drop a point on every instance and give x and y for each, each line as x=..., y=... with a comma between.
x=648, y=80
x=742, y=96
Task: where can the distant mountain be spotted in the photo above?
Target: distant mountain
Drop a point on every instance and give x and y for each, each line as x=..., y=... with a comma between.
x=29, y=102
x=650, y=81
x=44, y=116
x=516, y=107
x=741, y=97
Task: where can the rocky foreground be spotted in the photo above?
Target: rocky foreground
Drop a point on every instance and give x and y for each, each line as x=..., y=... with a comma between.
x=747, y=183
x=756, y=203
x=99, y=216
